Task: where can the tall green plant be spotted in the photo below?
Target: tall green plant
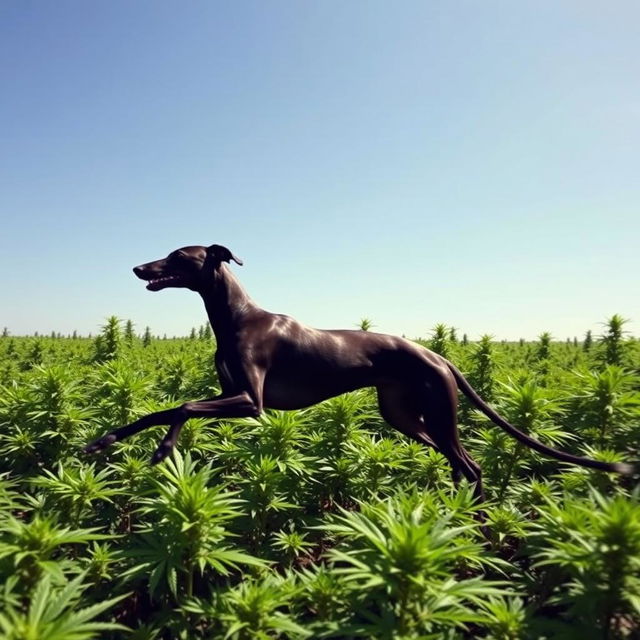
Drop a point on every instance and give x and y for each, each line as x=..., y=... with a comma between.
x=119, y=389
x=35, y=547
x=56, y=613
x=606, y=402
x=596, y=544
x=184, y=529
x=400, y=565
x=263, y=483
x=612, y=340
x=440, y=340
x=257, y=609
x=107, y=344
x=80, y=490
x=128, y=332
x=34, y=356
x=543, y=350
x=588, y=341
x=530, y=408
x=481, y=375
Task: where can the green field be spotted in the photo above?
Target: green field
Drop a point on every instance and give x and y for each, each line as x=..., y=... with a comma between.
x=316, y=523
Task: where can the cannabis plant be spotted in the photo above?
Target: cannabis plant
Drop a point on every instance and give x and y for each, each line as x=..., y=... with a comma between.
x=184, y=532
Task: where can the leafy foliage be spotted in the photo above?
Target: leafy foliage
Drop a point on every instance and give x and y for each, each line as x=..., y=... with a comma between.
x=317, y=523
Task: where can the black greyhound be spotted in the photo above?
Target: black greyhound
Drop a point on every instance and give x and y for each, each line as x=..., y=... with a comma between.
x=268, y=360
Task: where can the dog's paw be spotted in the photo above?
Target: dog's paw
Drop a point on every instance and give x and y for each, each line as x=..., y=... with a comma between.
x=100, y=443
x=163, y=451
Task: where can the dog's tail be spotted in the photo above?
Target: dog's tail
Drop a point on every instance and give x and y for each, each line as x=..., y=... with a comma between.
x=464, y=386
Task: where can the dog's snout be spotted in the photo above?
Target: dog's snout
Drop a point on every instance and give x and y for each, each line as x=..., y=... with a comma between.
x=138, y=271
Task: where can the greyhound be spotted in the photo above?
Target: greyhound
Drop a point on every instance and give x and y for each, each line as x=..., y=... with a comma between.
x=269, y=360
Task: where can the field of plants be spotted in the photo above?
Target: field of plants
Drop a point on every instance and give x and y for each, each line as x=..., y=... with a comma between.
x=322, y=523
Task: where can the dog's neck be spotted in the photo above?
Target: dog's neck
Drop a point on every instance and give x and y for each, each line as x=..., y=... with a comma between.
x=227, y=303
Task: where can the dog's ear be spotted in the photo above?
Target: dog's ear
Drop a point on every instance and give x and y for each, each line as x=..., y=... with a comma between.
x=222, y=254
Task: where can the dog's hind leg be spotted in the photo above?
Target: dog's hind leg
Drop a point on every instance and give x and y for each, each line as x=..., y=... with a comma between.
x=429, y=417
x=400, y=409
x=440, y=413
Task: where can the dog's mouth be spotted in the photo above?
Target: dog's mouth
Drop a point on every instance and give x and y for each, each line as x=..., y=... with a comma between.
x=155, y=284
x=157, y=276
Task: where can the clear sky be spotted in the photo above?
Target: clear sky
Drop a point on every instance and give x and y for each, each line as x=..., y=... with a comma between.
x=471, y=163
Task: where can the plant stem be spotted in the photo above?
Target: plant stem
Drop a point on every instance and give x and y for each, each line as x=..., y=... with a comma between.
x=517, y=452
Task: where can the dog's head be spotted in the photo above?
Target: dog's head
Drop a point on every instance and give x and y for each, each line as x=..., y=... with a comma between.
x=188, y=267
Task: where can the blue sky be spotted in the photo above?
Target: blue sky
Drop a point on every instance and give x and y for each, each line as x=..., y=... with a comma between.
x=418, y=162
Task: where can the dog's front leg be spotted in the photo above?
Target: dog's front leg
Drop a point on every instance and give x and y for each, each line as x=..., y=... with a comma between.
x=225, y=406
x=240, y=406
